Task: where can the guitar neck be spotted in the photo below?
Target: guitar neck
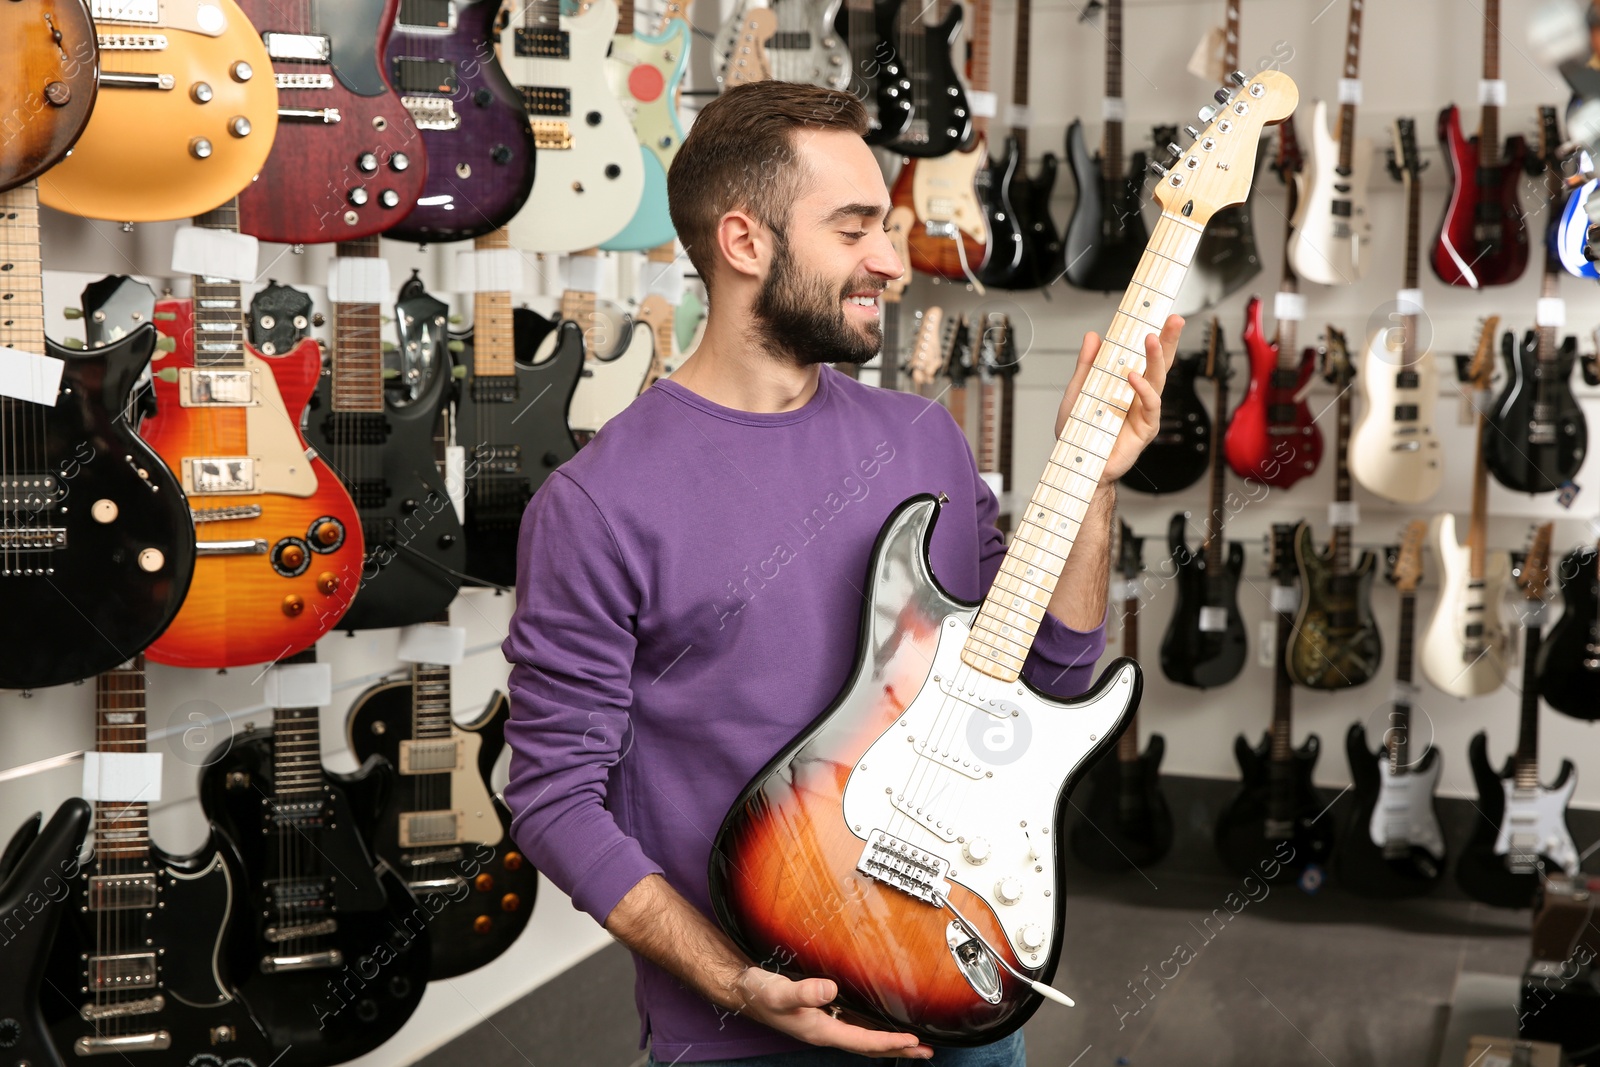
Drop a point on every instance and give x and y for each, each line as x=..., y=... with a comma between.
x=889, y=358
x=357, y=344
x=1214, y=545
x=23, y=324
x=1477, y=528
x=494, y=350
x=1399, y=734
x=219, y=319
x=1019, y=77
x=1339, y=538
x=1489, y=123
x=1352, y=71
x=988, y=423
x=1230, y=37
x=625, y=18
x=1008, y=412
x=1282, y=696
x=1128, y=743
x=1527, y=758
x=980, y=59
x=121, y=828
x=1112, y=147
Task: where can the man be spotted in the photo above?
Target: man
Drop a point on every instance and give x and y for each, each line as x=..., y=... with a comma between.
x=689, y=585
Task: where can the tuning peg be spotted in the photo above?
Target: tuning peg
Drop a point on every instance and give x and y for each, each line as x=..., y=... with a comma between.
x=457, y=346
x=1207, y=113
x=1158, y=170
x=1175, y=150
x=390, y=373
x=388, y=346
x=72, y=313
x=455, y=320
x=165, y=316
x=166, y=344
x=1222, y=96
x=458, y=373
x=1238, y=78
x=74, y=343
x=1193, y=133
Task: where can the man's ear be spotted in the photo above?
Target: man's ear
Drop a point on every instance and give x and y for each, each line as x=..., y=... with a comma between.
x=745, y=244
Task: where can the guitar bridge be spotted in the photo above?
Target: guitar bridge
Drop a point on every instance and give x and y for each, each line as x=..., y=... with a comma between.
x=902, y=865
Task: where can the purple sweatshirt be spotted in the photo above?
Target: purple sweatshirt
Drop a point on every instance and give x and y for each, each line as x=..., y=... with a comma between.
x=688, y=595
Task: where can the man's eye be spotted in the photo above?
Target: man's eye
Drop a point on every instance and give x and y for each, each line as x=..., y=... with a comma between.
x=854, y=235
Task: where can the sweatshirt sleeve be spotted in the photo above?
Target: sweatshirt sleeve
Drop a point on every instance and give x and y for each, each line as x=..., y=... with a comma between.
x=571, y=648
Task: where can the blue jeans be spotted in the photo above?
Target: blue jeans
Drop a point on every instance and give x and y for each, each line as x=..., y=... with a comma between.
x=1007, y=1052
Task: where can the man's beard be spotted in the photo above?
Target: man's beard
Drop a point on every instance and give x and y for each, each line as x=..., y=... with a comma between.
x=803, y=317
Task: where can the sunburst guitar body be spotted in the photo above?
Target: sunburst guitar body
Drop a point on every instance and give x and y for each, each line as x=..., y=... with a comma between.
x=950, y=236
x=54, y=62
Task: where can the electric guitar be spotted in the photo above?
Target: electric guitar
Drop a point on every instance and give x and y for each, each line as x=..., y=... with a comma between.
x=183, y=92
x=135, y=969
x=1393, y=845
x=1336, y=643
x=925, y=365
x=1028, y=195
x=1394, y=452
x=993, y=362
x=1569, y=235
x=1205, y=644
x=475, y=131
x=1181, y=450
x=1569, y=659
x=804, y=46
x=1464, y=647
x=610, y=380
x=746, y=56
x=646, y=73
x=95, y=537
x=314, y=903
x=1008, y=230
x=969, y=896
x=877, y=75
x=1521, y=831
x=1276, y=816
x=1331, y=233
x=941, y=115
x=1482, y=239
x=1125, y=820
x=55, y=63
x=1537, y=434
x=590, y=178
x=1272, y=437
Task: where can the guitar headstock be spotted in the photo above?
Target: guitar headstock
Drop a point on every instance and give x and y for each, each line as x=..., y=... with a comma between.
x=1218, y=167
x=1482, y=367
x=1130, y=552
x=1533, y=573
x=280, y=318
x=1405, y=163
x=114, y=307
x=1337, y=368
x=927, y=350
x=1282, y=543
x=747, y=62
x=994, y=344
x=1288, y=161
x=1550, y=144
x=1406, y=573
x=955, y=348
x=1216, y=350
x=900, y=221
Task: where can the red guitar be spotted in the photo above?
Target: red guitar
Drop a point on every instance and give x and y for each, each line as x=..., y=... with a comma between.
x=1272, y=437
x=1483, y=239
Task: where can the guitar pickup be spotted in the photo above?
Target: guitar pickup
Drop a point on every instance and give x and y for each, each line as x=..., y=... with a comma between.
x=538, y=42
x=29, y=492
x=122, y=892
x=413, y=75
x=312, y=961
x=215, y=388
x=204, y=475
x=427, y=16
x=126, y=11
x=431, y=113
x=110, y=79
x=420, y=829
x=435, y=885
x=297, y=47
x=1406, y=413
x=132, y=970
x=303, y=81
x=430, y=757
x=546, y=101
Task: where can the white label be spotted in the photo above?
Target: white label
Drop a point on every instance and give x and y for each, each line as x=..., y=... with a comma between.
x=1021, y=116
x=1409, y=301
x=1206, y=61
x=1492, y=91
x=1290, y=307
x=1266, y=643
x=995, y=481
x=1349, y=90
x=982, y=103
x=583, y=274
x=664, y=280
x=1550, y=311
x=298, y=685
x=359, y=280
x=1113, y=109
x=1126, y=589
x=1533, y=612
x=128, y=777
x=214, y=253
x=1594, y=528
x=30, y=377
x=431, y=643
x=1285, y=598
x=455, y=478
x=1213, y=620
x=1344, y=513
x=490, y=270
x=1403, y=692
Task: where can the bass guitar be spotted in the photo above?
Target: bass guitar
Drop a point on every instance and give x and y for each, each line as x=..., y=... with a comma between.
x=1521, y=833
x=969, y=897
x=441, y=816
x=1393, y=845
x=1464, y=647
x=646, y=72
x=1275, y=820
x=1483, y=238
x=805, y=45
x=1028, y=194
x=1181, y=451
x=1336, y=643
x=878, y=78
x=55, y=66
x=474, y=130
x=1125, y=820
x=941, y=116
x=1394, y=451
x=1569, y=659
x=1205, y=643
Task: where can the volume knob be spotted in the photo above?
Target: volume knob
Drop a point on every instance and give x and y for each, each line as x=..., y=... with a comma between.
x=1008, y=890
x=1031, y=938
x=976, y=851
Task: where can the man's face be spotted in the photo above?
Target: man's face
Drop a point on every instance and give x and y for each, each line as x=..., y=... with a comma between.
x=819, y=300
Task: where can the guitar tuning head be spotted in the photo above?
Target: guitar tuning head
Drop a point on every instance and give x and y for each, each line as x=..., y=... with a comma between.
x=1238, y=78
x=1193, y=133
x=1158, y=170
x=1174, y=150
x=1208, y=113
x=1222, y=96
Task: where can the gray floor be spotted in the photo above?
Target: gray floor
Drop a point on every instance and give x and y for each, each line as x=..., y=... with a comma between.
x=1291, y=979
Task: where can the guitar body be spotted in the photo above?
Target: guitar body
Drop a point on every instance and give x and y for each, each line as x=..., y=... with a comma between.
x=583, y=194
x=1535, y=447
x=1385, y=805
x=1181, y=452
x=475, y=135
x=646, y=74
x=1272, y=437
x=1397, y=459
x=140, y=159
x=1205, y=644
x=792, y=842
x=1030, y=198
x=1336, y=643
x=941, y=117
x=515, y=433
x=1008, y=250
x=111, y=585
x=1482, y=871
x=1126, y=821
x=881, y=83
x=1569, y=656
x=1242, y=836
x=67, y=69
x=1482, y=239
x=1106, y=235
x=806, y=49
x=1332, y=233
x=1457, y=658
x=247, y=606
x=1570, y=235
x=1225, y=260
x=469, y=929
x=605, y=386
x=945, y=190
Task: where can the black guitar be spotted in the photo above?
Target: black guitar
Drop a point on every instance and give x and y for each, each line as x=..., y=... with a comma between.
x=941, y=118
x=1275, y=818
x=878, y=76
x=1569, y=659
x=331, y=955
x=1181, y=451
x=1026, y=196
x=442, y=827
x=1205, y=644
x=1126, y=822
x=33, y=868
x=95, y=536
x=133, y=973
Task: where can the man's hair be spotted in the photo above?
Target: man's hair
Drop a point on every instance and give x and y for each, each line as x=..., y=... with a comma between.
x=741, y=153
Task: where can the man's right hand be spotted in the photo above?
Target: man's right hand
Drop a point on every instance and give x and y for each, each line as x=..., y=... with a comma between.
x=799, y=1009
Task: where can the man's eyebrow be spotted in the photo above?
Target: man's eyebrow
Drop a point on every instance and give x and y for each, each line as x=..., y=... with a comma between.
x=856, y=211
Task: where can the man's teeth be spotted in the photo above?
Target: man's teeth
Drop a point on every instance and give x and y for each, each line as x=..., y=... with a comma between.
x=864, y=301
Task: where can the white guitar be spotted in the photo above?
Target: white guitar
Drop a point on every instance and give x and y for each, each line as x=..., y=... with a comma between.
x=803, y=47
x=608, y=384
x=590, y=175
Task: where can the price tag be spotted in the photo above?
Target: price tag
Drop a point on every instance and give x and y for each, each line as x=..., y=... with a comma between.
x=1349, y=90
x=1492, y=91
x=1285, y=598
x=1344, y=513
x=1021, y=116
x=995, y=481
x=214, y=253
x=982, y=103
x=1594, y=528
x=298, y=685
x=1126, y=589
x=1409, y=301
x=1403, y=692
x=1550, y=311
x=1213, y=620
x=1290, y=307
x=455, y=478
x=429, y=642
x=1113, y=109
x=489, y=270
x=583, y=273
x=1266, y=642
x=128, y=777
x=29, y=376
x=359, y=280
x=664, y=280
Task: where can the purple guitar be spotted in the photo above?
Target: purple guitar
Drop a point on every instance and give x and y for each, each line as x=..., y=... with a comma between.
x=441, y=59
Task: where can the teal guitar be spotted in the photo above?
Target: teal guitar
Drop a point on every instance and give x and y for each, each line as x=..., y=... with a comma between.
x=645, y=72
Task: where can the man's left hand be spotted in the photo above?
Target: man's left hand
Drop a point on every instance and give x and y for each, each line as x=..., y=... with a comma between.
x=1144, y=417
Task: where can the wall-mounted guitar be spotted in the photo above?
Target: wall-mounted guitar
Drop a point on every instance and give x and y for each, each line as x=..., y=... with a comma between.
x=1205, y=643
x=1464, y=647
x=1272, y=437
x=1028, y=195
x=804, y=46
x=1394, y=452
x=1482, y=238
x=941, y=116
x=992, y=357
x=475, y=130
x=1569, y=659
x=1569, y=235
x=1393, y=845
x=925, y=364
x=55, y=65
x=1125, y=819
x=1521, y=831
x=609, y=382
x=877, y=75
x=1336, y=643
x=747, y=54
x=646, y=72
x=1181, y=450
x=1537, y=435
x=969, y=897
x=1276, y=815
x=95, y=534
x=1007, y=230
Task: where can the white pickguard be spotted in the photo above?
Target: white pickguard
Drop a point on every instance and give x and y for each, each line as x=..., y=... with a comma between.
x=606, y=387
x=1399, y=461
x=475, y=817
x=1537, y=819
x=984, y=767
x=1404, y=811
x=276, y=460
x=1445, y=657
x=1325, y=248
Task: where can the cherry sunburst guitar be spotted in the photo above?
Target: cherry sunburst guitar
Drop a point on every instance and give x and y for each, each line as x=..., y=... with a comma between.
x=953, y=864
x=55, y=63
